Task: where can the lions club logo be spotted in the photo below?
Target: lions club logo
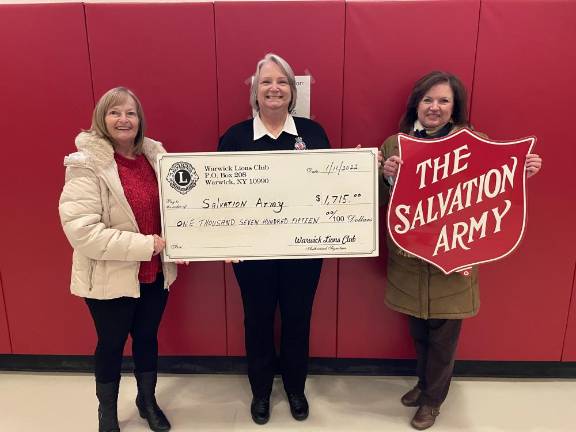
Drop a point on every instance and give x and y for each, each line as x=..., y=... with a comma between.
x=182, y=177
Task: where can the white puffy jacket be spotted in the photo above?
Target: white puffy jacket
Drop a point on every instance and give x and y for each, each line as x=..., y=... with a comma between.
x=100, y=224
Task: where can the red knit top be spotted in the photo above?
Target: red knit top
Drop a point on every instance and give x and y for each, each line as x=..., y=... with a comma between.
x=141, y=190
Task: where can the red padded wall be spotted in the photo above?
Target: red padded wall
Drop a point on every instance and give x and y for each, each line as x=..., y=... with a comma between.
x=5, y=346
x=524, y=85
x=46, y=94
x=190, y=63
x=166, y=54
x=310, y=36
x=389, y=45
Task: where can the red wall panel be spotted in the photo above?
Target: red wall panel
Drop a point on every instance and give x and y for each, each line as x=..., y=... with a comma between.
x=45, y=88
x=5, y=346
x=569, y=352
x=389, y=45
x=195, y=322
x=524, y=85
x=310, y=36
x=166, y=54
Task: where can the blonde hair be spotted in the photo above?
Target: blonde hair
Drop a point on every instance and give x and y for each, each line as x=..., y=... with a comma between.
x=112, y=97
x=285, y=68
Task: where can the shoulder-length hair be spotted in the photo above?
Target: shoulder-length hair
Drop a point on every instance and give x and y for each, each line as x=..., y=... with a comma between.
x=421, y=87
x=285, y=68
x=112, y=97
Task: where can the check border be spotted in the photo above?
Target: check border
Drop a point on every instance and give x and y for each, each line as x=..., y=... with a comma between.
x=370, y=251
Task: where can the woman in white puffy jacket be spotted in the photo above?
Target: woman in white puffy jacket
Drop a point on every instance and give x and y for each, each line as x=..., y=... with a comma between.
x=110, y=213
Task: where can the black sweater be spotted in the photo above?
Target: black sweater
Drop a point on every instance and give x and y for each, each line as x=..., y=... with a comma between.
x=240, y=137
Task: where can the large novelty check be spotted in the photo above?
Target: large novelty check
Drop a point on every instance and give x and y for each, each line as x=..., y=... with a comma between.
x=265, y=205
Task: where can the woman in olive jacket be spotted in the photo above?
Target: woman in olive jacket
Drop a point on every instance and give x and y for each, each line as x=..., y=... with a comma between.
x=110, y=213
x=434, y=302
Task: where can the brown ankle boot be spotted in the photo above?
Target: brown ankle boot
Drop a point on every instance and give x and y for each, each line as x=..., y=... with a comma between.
x=425, y=417
x=412, y=398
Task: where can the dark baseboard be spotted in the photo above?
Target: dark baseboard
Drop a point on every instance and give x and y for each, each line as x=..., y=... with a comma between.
x=318, y=366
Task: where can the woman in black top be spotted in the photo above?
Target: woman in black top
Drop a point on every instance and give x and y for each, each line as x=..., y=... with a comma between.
x=291, y=284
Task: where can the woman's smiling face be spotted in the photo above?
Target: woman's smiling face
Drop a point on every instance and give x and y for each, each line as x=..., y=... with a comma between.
x=122, y=122
x=274, y=91
x=435, y=108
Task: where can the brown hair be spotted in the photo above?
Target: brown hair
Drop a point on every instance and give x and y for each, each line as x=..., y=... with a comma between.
x=421, y=87
x=113, y=97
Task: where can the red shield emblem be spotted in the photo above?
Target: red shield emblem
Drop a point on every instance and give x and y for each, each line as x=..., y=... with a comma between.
x=459, y=200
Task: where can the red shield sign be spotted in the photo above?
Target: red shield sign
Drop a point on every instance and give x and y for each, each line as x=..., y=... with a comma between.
x=459, y=200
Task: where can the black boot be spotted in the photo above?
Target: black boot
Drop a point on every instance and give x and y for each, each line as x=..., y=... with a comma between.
x=260, y=410
x=146, y=402
x=107, y=394
x=298, y=405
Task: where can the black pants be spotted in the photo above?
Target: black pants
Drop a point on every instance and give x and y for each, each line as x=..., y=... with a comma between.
x=291, y=284
x=115, y=319
x=435, y=341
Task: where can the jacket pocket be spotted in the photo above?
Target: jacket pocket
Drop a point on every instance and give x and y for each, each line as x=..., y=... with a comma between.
x=105, y=199
x=82, y=273
x=451, y=294
x=99, y=277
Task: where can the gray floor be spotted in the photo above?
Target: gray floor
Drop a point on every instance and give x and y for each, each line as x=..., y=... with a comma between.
x=66, y=402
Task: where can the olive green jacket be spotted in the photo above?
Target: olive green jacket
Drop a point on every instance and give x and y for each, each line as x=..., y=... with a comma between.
x=418, y=288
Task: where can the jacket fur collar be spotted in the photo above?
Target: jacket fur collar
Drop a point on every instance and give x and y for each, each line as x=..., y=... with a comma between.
x=97, y=153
